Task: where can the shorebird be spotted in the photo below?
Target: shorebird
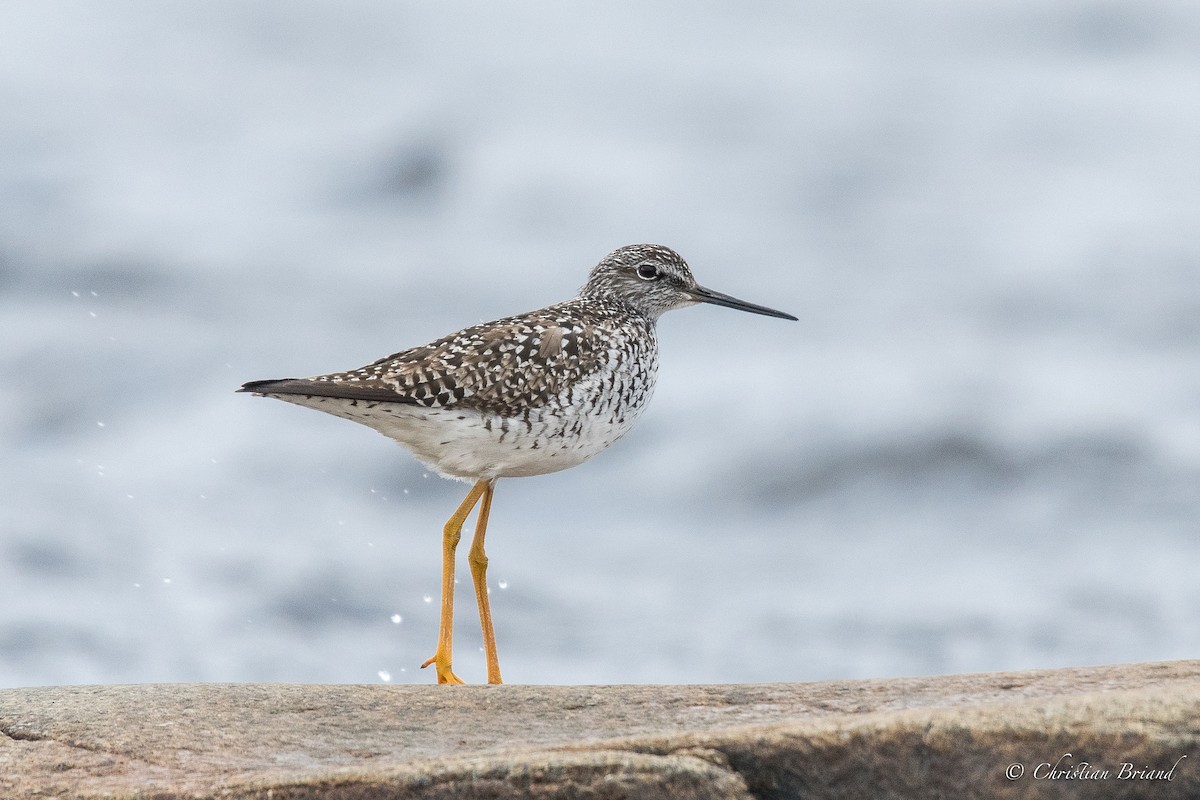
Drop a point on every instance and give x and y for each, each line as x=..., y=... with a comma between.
x=524, y=395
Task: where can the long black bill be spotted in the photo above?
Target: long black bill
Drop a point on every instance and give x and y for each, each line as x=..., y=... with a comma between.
x=703, y=295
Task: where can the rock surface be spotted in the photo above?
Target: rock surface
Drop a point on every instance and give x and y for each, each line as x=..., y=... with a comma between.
x=959, y=736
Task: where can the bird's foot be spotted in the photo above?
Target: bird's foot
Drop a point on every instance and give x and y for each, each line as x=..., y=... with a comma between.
x=442, y=665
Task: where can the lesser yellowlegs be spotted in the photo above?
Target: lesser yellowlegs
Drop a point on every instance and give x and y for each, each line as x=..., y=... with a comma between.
x=524, y=395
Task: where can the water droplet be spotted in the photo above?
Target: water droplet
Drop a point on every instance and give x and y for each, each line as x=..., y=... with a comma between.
x=502, y=584
x=137, y=586
x=385, y=676
x=99, y=424
x=166, y=580
x=397, y=619
x=427, y=598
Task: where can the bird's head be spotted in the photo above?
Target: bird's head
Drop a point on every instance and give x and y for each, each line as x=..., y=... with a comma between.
x=654, y=279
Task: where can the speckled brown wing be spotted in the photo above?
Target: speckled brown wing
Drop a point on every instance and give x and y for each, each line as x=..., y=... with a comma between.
x=501, y=367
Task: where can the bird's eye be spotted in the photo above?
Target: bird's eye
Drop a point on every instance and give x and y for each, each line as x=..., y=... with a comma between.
x=648, y=272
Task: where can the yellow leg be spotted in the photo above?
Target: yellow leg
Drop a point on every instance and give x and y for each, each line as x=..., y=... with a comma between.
x=479, y=561
x=450, y=536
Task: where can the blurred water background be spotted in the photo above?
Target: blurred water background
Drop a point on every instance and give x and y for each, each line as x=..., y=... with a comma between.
x=979, y=449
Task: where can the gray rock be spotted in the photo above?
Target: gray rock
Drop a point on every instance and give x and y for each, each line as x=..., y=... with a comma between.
x=936, y=737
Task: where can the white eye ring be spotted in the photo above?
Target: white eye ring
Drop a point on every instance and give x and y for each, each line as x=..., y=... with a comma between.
x=647, y=272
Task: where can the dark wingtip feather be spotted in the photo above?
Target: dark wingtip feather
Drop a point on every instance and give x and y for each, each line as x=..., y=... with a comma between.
x=262, y=386
x=348, y=390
